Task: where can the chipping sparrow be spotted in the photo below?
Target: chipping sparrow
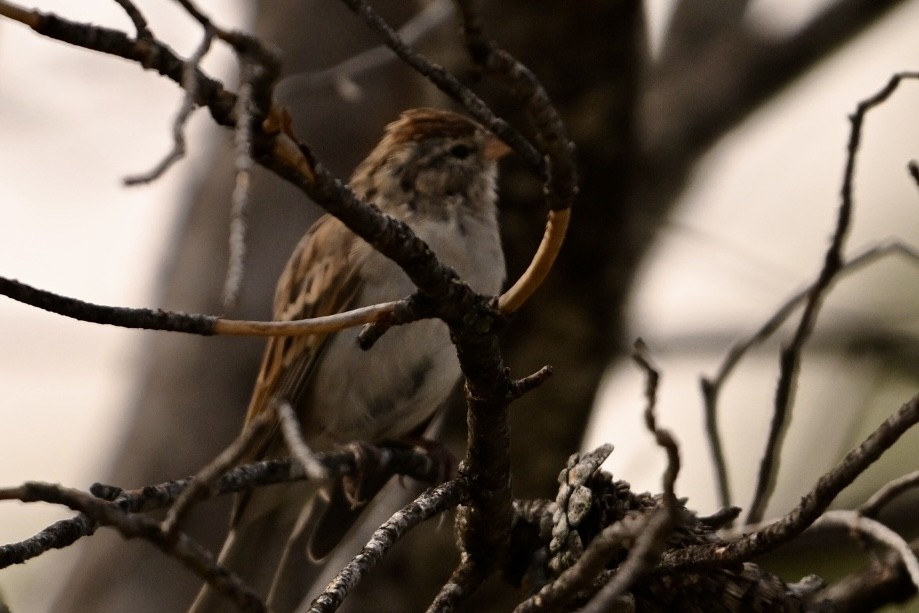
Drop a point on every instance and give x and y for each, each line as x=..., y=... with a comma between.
x=436, y=171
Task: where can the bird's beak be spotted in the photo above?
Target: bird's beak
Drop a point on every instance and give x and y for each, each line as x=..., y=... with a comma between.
x=495, y=148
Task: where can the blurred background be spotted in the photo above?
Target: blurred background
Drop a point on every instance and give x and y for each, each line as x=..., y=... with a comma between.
x=711, y=140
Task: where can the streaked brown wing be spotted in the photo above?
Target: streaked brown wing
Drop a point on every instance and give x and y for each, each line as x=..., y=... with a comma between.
x=320, y=279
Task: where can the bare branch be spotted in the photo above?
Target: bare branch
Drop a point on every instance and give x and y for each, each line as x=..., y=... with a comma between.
x=203, y=483
x=430, y=504
x=662, y=436
x=395, y=460
x=242, y=141
x=149, y=319
x=652, y=539
x=17, y=13
x=447, y=83
x=188, y=323
x=316, y=325
x=189, y=84
x=58, y=535
x=833, y=261
x=151, y=54
x=882, y=582
x=179, y=545
x=293, y=438
x=137, y=18
x=812, y=505
x=530, y=382
x=554, y=144
x=712, y=386
x=543, y=260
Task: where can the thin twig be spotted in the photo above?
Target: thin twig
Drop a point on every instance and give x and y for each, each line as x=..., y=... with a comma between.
x=431, y=503
x=651, y=542
x=149, y=319
x=542, y=262
x=812, y=504
x=409, y=309
x=613, y=539
x=554, y=144
x=203, y=482
x=293, y=437
x=151, y=54
x=242, y=141
x=190, y=85
x=398, y=460
x=662, y=436
x=526, y=384
x=178, y=545
x=198, y=16
x=790, y=359
x=137, y=18
x=712, y=386
x=58, y=535
x=315, y=325
x=644, y=554
x=448, y=83
x=710, y=392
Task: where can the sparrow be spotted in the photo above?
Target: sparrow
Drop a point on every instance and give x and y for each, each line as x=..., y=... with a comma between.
x=436, y=171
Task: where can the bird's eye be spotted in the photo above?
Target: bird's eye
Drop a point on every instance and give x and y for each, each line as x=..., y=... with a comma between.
x=460, y=152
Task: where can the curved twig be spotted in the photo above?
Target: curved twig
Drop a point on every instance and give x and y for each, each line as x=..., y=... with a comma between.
x=541, y=264
x=554, y=144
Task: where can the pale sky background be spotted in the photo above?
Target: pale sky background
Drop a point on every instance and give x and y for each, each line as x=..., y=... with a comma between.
x=752, y=230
